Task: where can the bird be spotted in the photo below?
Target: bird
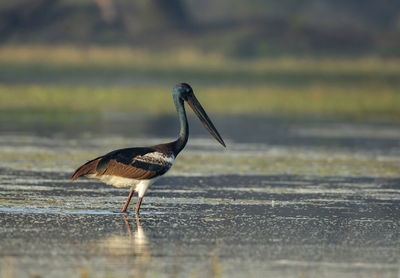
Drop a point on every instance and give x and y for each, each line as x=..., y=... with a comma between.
x=139, y=167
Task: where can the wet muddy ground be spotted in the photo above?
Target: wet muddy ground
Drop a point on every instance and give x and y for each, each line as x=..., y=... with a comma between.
x=288, y=198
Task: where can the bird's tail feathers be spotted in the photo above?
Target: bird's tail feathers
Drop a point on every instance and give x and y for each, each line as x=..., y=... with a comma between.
x=87, y=168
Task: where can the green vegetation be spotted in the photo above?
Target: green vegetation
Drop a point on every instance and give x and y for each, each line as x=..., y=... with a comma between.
x=367, y=87
x=346, y=102
x=122, y=59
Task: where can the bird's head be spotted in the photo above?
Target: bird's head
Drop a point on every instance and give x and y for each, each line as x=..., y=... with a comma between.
x=183, y=92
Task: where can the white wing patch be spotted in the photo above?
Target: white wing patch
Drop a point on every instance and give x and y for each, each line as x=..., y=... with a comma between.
x=157, y=158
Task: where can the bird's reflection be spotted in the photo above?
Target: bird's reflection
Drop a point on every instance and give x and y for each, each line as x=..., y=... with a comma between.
x=137, y=238
x=131, y=250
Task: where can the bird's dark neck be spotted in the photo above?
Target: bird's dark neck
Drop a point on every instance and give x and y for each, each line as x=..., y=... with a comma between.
x=180, y=143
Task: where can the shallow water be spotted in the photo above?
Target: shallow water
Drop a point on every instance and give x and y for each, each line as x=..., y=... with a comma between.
x=221, y=226
x=287, y=198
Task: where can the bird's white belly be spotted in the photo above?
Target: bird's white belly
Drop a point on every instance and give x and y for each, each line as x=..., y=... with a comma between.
x=115, y=181
x=140, y=186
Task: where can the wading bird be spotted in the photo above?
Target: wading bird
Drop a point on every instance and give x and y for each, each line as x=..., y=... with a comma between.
x=139, y=167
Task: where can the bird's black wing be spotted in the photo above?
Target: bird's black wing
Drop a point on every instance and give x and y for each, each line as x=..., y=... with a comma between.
x=133, y=163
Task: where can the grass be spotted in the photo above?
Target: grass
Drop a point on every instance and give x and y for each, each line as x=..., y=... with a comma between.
x=96, y=56
x=110, y=65
x=347, y=102
x=61, y=79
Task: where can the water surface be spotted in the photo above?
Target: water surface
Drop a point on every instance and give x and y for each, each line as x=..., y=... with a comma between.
x=302, y=197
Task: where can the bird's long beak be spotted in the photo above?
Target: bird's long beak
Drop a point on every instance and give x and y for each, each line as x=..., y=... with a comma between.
x=198, y=109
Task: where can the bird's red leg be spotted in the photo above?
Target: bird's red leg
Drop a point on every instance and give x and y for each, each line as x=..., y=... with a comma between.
x=128, y=200
x=137, y=208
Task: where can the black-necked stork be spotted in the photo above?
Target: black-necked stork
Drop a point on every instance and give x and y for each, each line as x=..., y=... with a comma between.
x=139, y=167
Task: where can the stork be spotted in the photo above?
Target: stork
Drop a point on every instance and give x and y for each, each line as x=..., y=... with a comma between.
x=140, y=167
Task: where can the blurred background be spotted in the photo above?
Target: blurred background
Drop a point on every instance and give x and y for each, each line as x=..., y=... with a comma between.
x=328, y=47
x=315, y=73
x=235, y=29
